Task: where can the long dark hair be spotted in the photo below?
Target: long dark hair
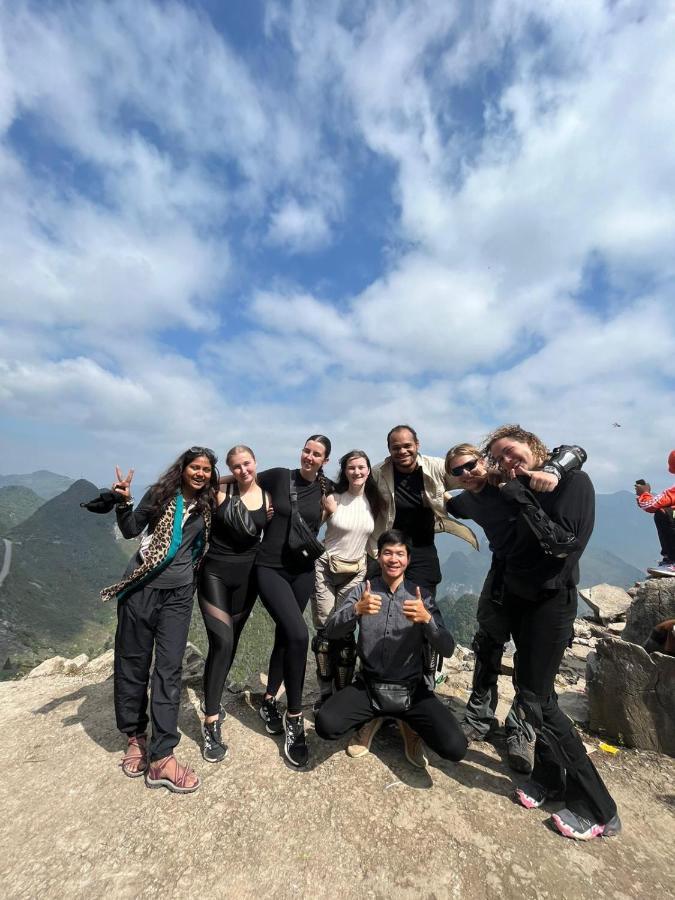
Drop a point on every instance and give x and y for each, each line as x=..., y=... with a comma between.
x=369, y=489
x=323, y=481
x=169, y=484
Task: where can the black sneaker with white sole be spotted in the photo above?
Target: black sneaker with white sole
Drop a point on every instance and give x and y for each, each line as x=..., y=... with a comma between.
x=214, y=750
x=269, y=713
x=295, y=745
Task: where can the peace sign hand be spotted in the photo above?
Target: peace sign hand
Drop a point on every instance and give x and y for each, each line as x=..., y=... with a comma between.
x=415, y=610
x=122, y=485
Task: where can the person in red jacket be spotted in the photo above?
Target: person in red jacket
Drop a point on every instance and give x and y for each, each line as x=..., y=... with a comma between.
x=662, y=506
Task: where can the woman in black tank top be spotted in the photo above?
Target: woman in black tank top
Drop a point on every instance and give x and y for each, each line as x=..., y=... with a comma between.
x=227, y=588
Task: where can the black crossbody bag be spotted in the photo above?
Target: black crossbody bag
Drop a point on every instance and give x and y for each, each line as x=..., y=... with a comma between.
x=390, y=697
x=302, y=542
x=237, y=517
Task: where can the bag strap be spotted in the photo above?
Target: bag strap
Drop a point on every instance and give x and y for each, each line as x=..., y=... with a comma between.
x=293, y=494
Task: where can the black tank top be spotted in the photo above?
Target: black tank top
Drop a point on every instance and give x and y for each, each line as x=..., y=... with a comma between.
x=223, y=543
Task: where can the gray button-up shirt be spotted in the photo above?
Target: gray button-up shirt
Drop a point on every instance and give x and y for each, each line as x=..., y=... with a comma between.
x=390, y=646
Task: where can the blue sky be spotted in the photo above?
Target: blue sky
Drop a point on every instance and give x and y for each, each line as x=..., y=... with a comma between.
x=248, y=222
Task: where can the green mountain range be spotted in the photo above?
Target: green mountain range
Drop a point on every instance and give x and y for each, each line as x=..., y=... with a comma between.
x=45, y=484
x=61, y=556
x=17, y=504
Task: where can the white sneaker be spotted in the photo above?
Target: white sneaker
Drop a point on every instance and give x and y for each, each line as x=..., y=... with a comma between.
x=667, y=570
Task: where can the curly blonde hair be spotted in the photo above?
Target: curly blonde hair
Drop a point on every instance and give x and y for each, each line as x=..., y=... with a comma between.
x=536, y=445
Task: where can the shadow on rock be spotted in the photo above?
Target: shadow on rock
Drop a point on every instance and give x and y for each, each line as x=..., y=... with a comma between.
x=94, y=712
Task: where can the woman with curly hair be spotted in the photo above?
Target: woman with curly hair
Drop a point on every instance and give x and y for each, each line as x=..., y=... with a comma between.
x=350, y=511
x=154, y=608
x=539, y=596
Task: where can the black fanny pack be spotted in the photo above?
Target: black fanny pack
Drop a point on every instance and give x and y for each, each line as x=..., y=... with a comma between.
x=390, y=697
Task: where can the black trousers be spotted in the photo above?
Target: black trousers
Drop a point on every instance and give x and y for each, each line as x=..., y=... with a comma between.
x=285, y=595
x=433, y=722
x=159, y=619
x=542, y=629
x=665, y=527
x=226, y=592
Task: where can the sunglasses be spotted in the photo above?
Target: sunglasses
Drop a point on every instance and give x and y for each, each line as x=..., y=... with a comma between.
x=465, y=467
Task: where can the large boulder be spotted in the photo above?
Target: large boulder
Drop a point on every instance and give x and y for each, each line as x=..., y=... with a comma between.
x=654, y=602
x=631, y=695
x=608, y=602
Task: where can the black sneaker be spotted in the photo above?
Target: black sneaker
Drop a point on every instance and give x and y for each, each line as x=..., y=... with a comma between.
x=214, y=750
x=295, y=746
x=269, y=713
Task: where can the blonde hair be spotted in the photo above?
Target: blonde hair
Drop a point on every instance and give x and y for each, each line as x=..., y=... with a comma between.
x=461, y=450
x=238, y=448
x=536, y=445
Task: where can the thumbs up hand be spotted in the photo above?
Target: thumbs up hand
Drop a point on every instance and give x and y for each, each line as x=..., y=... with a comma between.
x=369, y=604
x=415, y=610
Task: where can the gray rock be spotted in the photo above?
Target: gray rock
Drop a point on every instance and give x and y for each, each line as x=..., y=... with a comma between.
x=75, y=666
x=654, y=602
x=608, y=602
x=53, y=666
x=631, y=695
x=193, y=663
x=101, y=665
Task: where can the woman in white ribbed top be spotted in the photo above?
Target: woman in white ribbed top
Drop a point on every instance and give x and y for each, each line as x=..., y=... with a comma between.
x=351, y=512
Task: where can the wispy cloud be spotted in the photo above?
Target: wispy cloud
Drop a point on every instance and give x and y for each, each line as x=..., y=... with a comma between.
x=182, y=212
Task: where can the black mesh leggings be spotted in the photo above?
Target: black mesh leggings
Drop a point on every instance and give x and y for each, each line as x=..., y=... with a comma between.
x=226, y=592
x=285, y=596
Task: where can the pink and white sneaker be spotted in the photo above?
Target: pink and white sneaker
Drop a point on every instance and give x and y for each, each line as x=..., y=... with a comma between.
x=578, y=828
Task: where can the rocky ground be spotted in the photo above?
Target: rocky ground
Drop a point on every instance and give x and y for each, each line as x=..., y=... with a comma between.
x=74, y=826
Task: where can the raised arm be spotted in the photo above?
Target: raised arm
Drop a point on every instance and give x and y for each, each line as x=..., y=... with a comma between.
x=568, y=529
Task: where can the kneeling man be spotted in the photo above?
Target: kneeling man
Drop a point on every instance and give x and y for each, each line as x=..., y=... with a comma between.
x=395, y=619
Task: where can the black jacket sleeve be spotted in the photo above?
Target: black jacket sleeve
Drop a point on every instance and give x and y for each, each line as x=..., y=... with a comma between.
x=569, y=526
x=130, y=521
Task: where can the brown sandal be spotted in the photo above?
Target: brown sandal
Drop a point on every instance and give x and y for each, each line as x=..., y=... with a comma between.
x=135, y=760
x=177, y=781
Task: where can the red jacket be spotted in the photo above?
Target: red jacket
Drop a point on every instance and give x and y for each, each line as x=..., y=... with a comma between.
x=652, y=504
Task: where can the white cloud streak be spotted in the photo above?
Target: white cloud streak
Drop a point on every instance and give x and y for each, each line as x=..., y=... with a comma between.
x=142, y=151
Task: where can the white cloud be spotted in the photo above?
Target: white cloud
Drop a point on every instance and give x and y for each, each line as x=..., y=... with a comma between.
x=525, y=140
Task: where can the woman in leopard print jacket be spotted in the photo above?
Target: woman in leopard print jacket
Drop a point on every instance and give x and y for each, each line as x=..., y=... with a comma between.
x=154, y=607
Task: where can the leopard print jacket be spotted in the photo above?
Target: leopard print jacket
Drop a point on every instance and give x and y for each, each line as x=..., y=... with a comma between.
x=166, y=539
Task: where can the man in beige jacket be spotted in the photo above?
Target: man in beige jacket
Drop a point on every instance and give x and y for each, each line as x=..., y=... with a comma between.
x=413, y=489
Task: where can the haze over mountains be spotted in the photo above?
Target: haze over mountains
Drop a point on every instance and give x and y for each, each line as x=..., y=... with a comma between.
x=61, y=555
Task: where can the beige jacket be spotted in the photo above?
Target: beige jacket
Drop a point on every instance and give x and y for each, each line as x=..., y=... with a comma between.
x=436, y=484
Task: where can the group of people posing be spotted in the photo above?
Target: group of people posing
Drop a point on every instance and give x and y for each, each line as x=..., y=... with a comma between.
x=372, y=582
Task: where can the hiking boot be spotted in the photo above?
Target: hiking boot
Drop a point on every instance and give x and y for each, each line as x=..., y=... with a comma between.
x=520, y=752
x=471, y=733
x=574, y=826
x=269, y=713
x=295, y=745
x=359, y=743
x=214, y=750
x=412, y=746
x=532, y=795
